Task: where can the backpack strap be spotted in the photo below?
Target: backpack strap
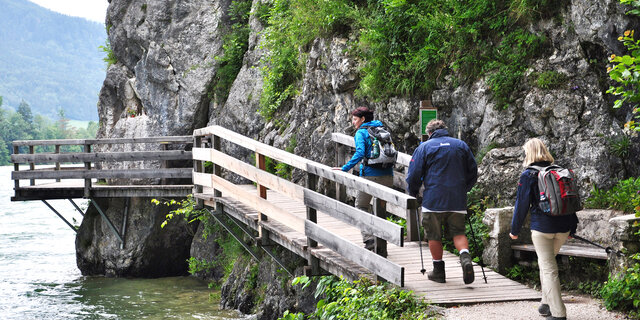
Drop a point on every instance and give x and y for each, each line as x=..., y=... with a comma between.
x=539, y=168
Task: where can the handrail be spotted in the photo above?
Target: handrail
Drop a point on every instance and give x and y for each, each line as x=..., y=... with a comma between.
x=101, y=156
x=89, y=159
x=382, y=229
x=399, y=177
x=388, y=194
x=161, y=140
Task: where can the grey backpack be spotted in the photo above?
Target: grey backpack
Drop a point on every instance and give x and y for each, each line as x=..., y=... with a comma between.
x=383, y=153
x=558, y=190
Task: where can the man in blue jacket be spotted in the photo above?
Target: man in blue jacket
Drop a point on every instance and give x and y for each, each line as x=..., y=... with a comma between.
x=448, y=170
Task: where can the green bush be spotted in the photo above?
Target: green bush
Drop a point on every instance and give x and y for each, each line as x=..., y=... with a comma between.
x=623, y=292
x=232, y=250
x=623, y=196
x=363, y=299
x=291, y=26
x=405, y=47
x=625, y=71
x=620, y=147
x=111, y=57
x=234, y=45
x=550, y=80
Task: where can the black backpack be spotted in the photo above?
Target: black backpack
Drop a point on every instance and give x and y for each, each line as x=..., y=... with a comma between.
x=383, y=153
x=559, y=194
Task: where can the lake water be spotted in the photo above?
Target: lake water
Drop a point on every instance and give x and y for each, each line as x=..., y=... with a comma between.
x=39, y=278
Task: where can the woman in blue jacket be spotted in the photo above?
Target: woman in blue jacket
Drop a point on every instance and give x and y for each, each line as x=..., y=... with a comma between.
x=361, y=119
x=547, y=233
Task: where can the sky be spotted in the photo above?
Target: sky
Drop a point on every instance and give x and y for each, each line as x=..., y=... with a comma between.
x=94, y=10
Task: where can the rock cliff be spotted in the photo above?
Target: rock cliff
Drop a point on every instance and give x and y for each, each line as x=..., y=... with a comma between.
x=166, y=62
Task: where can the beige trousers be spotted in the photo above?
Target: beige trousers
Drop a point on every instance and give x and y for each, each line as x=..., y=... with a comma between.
x=547, y=247
x=363, y=199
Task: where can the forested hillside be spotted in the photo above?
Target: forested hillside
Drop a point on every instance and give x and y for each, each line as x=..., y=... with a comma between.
x=22, y=124
x=50, y=60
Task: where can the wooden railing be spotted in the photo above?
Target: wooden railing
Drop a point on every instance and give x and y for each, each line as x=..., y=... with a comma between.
x=207, y=148
x=89, y=159
x=344, y=143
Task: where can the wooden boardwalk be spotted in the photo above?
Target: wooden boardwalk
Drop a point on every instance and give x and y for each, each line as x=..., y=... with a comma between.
x=497, y=289
x=320, y=228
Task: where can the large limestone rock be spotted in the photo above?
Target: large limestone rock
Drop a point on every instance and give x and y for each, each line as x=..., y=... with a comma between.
x=148, y=249
x=165, y=52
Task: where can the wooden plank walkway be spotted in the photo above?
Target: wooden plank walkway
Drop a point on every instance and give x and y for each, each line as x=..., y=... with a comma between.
x=498, y=288
x=290, y=207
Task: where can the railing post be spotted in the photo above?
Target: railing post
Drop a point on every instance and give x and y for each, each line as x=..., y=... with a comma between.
x=312, y=215
x=413, y=225
x=163, y=163
x=380, y=210
x=87, y=166
x=261, y=163
x=217, y=170
x=263, y=235
x=197, y=167
x=341, y=190
x=32, y=166
x=16, y=167
x=57, y=151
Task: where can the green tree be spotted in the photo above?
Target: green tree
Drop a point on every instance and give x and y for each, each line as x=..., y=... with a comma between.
x=4, y=128
x=62, y=126
x=25, y=110
x=4, y=153
x=19, y=128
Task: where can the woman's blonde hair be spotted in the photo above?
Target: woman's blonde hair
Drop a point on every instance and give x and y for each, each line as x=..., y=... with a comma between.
x=535, y=151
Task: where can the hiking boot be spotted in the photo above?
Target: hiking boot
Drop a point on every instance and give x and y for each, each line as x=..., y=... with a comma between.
x=556, y=318
x=467, y=268
x=437, y=274
x=544, y=310
x=369, y=245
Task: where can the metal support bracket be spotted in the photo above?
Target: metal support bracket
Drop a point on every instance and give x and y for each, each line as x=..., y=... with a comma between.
x=106, y=219
x=60, y=216
x=125, y=214
x=220, y=212
x=76, y=206
x=217, y=216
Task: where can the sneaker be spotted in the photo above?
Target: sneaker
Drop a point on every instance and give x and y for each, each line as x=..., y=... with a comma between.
x=544, y=310
x=467, y=268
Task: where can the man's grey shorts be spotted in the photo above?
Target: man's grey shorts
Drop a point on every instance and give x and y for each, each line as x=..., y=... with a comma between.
x=434, y=221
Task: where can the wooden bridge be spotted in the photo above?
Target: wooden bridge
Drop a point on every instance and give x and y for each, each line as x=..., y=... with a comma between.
x=321, y=228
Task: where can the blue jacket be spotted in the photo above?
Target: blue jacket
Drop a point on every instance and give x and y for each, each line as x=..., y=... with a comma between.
x=527, y=200
x=363, y=147
x=447, y=169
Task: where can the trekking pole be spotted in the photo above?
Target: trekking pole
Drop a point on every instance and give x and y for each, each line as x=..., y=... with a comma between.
x=475, y=244
x=423, y=270
x=606, y=249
